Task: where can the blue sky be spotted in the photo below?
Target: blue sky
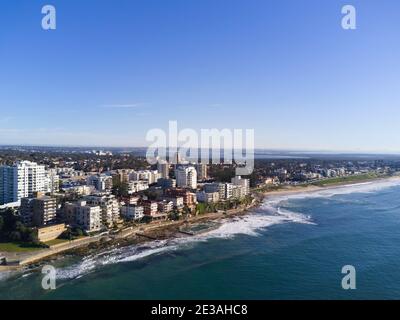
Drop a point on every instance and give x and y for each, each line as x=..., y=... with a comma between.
x=115, y=69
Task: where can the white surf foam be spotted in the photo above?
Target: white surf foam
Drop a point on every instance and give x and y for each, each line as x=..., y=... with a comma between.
x=365, y=187
x=270, y=213
x=246, y=225
x=118, y=255
x=5, y=275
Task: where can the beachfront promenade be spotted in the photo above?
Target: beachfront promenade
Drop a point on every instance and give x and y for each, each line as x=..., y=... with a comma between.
x=16, y=260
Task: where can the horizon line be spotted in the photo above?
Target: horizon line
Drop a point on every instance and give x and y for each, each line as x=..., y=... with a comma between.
x=288, y=150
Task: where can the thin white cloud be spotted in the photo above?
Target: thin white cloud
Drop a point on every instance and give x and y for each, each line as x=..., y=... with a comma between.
x=6, y=119
x=122, y=106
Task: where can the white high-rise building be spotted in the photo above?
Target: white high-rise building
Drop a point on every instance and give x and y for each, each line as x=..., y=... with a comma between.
x=21, y=181
x=202, y=171
x=52, y=181
x=186, y=177
x=244, y=183
x=163, y=169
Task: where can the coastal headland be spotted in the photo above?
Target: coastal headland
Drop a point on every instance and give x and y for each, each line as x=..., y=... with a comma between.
x=159, y=230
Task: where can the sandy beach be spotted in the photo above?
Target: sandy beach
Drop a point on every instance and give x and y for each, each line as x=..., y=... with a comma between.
x=311, y=188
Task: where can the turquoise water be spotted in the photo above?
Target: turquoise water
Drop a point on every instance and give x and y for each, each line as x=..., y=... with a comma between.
x=293, y=247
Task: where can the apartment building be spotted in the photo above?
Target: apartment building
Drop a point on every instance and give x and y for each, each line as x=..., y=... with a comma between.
x=52, y=181
x=110, y=211
x=186, y=177
x=151, y=176
x=89, y=218
x=137, y=186
x=244, y=183
x=165, y=206
x=207, y=197
x=202, y=171
x=150, y=207
x=40, y=211
x=166, y=183
x=177, y=201
x=102, y=183
x=21, y=181
x=81, y=214
x=189, y=198
x=132, y=212
x=163, y=169
x=224, y=189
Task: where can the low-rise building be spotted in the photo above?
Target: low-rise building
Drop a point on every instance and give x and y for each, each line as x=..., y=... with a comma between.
x=151, y=176
x=137, y=186
x=177, y=202
x=166, y=183
x=83, y=215
x=79, y=190
x=130, y=200
x=89, y=218
x=207, y=197
x=150, y=207
x=165, y=206
x=51, y=232
x=102, y=183
x=189, y=198
x=224, y=189
x=109, y=207
x=132, y=212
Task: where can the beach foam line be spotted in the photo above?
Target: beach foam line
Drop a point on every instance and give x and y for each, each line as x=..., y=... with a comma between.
x=364, y=187
x=245, y=225
x=269, y=213
x=4, y=275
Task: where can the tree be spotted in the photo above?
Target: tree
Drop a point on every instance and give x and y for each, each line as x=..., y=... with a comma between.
x=201, y=208
x=15, y=236
x=120, y=189
x=10, y=220
x=31, y=236
x=77, y=232
x=147, y=219
x=174, y=216
x=67, y=234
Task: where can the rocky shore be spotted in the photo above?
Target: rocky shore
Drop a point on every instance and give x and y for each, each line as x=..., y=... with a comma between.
x=152, y=231
x=128, y=236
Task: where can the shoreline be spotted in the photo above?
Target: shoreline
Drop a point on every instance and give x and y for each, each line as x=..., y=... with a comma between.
x=128, y=236
x=158, y=230
x=313, y=188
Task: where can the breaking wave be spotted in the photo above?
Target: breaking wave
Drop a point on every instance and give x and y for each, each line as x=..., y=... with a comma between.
x=246, y=225
x=364, y=187
x=271, y=212
x=5, y=275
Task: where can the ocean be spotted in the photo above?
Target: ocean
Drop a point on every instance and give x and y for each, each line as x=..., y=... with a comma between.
x=292, y=247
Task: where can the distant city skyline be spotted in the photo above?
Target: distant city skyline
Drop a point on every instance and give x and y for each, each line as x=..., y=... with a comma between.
x=112, y=71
